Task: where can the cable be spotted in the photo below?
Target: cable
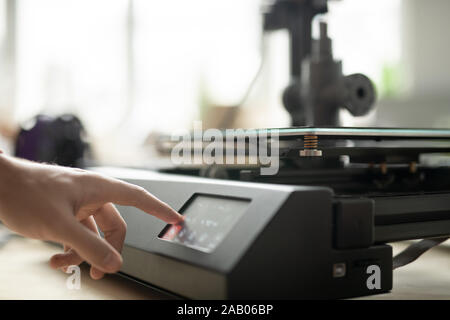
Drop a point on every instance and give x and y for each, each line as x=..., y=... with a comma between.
x=415, y=250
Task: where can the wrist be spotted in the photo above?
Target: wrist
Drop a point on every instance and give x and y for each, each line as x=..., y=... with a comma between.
x=6, y=168
x=3, y=161
x=10, y=175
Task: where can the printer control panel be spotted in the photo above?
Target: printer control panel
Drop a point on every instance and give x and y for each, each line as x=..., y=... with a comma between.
x=208, y=220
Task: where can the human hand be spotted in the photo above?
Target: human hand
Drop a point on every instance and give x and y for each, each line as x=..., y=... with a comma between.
x=68, y=206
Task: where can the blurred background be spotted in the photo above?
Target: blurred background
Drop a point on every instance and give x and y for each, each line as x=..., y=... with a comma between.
x=133, y=69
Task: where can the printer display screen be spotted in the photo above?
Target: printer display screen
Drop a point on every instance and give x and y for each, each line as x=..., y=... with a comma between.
x=208, y=219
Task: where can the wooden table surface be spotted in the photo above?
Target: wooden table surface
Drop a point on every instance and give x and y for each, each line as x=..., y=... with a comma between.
x=25, y=274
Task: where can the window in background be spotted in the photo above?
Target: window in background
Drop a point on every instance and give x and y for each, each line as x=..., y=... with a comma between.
x=367, y=37
x=6, y=77
x=190, y=51
x=6, y=56
x=130, y=67
x=71, y=57
x=3, y=23
x=186, y=50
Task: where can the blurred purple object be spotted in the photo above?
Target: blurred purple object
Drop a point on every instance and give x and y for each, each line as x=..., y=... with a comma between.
x=59, y=140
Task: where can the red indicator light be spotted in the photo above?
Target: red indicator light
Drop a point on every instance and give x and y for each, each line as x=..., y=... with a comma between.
x=172, y=232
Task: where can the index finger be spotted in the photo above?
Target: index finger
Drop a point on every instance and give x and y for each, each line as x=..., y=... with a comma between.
x=127, y=194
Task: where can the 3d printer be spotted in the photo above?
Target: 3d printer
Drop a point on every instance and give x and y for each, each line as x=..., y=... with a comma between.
x=319, y=228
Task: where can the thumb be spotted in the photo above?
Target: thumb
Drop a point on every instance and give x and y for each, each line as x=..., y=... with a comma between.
x=92, y=248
